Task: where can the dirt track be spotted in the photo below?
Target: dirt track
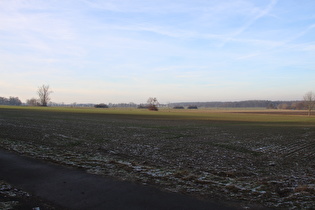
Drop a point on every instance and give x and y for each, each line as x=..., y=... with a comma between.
x=75, y=189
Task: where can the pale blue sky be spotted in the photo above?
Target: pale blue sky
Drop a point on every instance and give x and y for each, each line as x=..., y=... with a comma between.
x=180, y=50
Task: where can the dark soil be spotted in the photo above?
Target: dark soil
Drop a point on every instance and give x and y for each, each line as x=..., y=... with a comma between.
x=270, y=165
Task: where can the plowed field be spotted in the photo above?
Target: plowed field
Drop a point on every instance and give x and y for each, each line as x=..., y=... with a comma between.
x=246, y=158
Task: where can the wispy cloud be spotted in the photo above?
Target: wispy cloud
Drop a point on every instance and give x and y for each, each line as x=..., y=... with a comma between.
x=258, y=14
x=284, y=45
x=166, y=48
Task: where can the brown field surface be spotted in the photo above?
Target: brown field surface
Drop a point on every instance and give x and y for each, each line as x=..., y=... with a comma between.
x=277, y=112
x=245, y=157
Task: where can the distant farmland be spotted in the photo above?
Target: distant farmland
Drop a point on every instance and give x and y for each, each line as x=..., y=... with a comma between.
x=245, y=157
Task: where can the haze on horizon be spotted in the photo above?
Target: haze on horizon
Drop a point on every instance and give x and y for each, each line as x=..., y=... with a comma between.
x=114, y=51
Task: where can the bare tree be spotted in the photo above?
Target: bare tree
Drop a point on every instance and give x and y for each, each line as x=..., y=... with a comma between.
x=153, y=103
x=309, y=101
x=283, y=106
x=32, y=102
x=44, y=94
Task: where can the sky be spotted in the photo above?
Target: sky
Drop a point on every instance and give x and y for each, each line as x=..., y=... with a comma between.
x=121, y=51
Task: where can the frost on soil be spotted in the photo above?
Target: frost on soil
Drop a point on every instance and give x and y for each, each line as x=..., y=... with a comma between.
x=268, y=167
x=9, y=195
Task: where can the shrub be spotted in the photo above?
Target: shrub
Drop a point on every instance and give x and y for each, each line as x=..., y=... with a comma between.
x=100, y=106
x=178, y=107
x=153, y=108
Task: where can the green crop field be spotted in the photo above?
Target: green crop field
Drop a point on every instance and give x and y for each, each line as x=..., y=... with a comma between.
x=233, y=115
x=247, y=157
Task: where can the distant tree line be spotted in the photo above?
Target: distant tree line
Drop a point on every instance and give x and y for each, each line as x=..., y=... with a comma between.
x=244, y=104
x=14, y=101
x=189, y=107
x=152, y=104
x=123, y=105
x=294, y=105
